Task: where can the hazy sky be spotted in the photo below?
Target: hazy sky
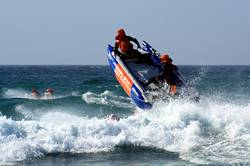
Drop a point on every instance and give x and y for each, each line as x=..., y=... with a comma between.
x=78, y=31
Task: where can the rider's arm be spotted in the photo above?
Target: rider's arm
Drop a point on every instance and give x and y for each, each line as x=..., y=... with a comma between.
x=116, y=46
x=175, y=68
x=134, y=40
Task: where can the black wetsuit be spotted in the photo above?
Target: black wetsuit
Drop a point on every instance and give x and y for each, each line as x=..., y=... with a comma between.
x=169, y=74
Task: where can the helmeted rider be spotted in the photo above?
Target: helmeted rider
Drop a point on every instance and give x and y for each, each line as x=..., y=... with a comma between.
x=168, y=74
x=124, y=45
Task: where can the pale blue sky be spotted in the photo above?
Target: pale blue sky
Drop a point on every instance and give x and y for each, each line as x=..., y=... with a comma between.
x=193, y=32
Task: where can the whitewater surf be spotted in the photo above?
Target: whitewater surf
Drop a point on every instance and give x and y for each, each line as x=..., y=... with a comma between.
x=74, y=127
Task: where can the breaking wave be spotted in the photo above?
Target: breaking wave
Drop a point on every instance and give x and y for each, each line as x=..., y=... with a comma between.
x=107, y=98
x=203, y=133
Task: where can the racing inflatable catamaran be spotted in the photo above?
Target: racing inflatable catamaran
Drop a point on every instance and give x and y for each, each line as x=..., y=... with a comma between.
x=134, y=76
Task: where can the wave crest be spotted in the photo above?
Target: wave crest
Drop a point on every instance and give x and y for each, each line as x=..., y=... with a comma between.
x=107, y=98
x=200, y=133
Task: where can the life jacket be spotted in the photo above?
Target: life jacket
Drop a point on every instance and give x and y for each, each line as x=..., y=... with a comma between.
x=123, y=44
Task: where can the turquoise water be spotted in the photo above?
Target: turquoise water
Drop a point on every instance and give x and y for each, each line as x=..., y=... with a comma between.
x=72, y=127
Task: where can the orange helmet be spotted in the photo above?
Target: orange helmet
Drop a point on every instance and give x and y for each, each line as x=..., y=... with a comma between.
x=164, y=58
x=120, y=33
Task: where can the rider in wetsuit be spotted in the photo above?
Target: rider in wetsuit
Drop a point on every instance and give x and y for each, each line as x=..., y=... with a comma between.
x=123, y=43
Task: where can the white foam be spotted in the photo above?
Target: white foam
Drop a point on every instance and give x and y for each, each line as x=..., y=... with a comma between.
x=23, y=94
x=15, y=93
x=75, y=93
x=107, y=98
x=201, y=133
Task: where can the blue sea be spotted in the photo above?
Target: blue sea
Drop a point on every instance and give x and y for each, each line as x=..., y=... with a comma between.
x=72, y=127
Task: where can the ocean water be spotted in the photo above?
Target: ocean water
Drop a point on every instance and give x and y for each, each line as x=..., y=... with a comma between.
x=72, y=127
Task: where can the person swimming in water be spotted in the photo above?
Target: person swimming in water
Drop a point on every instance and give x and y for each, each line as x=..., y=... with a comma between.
x=34, y=93
x=49, y=92
x=113, y=117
